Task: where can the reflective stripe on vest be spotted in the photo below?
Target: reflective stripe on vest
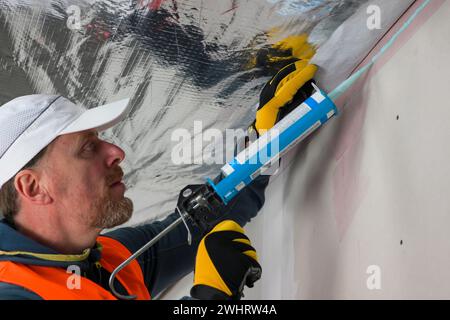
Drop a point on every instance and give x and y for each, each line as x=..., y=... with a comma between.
x=50, y=283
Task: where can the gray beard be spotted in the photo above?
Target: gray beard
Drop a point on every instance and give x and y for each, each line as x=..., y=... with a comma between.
x=112, y=213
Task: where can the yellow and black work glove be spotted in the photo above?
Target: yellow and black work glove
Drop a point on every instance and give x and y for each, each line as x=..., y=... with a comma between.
x=225, y=262
x=283, y=93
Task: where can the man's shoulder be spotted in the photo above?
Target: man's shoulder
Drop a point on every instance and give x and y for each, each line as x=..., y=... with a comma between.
x=10, y=291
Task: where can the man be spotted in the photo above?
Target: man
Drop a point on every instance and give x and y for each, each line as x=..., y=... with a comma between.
x=61, y=186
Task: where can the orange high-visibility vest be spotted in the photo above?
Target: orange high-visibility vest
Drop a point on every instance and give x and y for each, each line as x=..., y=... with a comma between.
x=50, y=283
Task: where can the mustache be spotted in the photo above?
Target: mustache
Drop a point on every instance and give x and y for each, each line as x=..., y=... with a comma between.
x=114, y=176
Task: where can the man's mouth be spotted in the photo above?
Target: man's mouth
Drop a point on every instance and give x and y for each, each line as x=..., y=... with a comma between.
x=115, y=184
x=118, y=187
x=117, y=181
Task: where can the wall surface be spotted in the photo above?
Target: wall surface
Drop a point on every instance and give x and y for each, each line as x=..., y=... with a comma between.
x=371, y=188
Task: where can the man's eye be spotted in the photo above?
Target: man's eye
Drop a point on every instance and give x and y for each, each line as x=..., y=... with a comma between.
x=89, y=146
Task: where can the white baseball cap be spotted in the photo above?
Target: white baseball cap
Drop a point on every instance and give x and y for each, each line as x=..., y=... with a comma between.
x=29, y=123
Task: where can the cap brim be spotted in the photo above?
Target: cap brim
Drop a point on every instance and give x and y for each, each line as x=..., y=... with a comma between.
x=100, y=118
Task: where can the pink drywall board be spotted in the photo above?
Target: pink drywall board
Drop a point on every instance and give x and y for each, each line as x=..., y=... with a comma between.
x=349, y=185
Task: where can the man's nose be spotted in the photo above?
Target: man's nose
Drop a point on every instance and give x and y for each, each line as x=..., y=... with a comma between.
x=115, y=155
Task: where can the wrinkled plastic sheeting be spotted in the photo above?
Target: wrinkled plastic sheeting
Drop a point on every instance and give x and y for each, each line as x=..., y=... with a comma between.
x=179, y=61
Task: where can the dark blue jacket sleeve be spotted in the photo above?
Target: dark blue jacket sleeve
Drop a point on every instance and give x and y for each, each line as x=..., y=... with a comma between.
x=172, y=257
x=13, y=292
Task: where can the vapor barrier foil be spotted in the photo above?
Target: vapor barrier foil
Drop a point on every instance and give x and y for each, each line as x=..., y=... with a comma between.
x=192, y=65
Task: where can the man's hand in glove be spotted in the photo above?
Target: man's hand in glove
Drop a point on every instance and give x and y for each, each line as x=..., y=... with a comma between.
x=283, y=93
x=225, y=262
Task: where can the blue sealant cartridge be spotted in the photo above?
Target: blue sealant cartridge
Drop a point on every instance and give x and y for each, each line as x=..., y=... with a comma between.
x=270, y=146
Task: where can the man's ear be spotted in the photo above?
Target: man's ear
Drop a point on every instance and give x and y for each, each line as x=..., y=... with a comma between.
x=29, y=186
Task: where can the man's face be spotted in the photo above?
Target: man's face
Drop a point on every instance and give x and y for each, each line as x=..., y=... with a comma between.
x=83, y=176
